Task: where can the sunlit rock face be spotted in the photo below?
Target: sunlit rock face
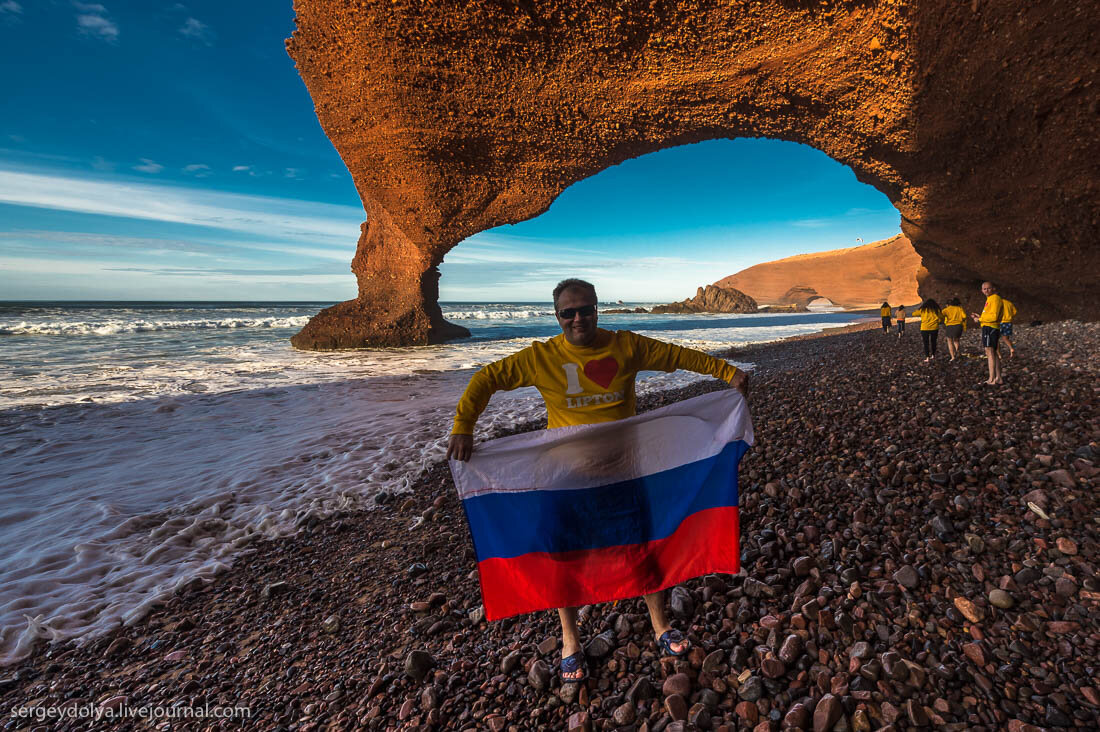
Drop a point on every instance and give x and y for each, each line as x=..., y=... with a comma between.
x=858, y=277
x=977, y=119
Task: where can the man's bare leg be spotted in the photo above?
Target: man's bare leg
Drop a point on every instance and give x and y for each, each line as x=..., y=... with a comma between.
x=570, y=633
x=655, y=601
x=1008, y=342
x=994, y=367
x=997, y=367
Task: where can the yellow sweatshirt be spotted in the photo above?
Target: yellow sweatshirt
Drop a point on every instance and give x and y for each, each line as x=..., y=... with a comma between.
x=1009, y=311
x=582, y=385
x=884, y=311
x=954, y=315
x=992, y=312
x=929, y=319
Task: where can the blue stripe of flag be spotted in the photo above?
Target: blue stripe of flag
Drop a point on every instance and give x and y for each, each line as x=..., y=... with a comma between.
x=629, y=512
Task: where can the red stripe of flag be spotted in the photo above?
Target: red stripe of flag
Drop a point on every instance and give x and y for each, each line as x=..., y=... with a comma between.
x=704, y=543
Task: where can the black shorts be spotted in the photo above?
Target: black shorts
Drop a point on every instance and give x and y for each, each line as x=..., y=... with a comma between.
x=1006, y=330
x=885, y=321
x=901, y=325
x=990, y=336
x=954, y=332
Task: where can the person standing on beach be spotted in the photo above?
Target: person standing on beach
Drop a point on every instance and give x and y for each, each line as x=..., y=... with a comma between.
x=1006, y=325
x=901, y=320
x=885, y=312
x=954, y=323
x=990, y=322
x=585, y=376
x=930, y=317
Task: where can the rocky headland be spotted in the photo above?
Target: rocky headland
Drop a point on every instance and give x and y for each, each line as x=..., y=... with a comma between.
x=919, y=551
x=856, y=277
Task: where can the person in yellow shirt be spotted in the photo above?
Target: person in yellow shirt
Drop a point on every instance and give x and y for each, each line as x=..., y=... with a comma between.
x=930, y=317
x=900, y=315
x=585, y=375
x=954, y=323
x=1006, y=325
x=990, y=322
x=885, y=311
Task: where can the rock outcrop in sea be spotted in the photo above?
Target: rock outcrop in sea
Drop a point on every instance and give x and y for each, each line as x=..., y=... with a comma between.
x=711, y=299
x=976, y=119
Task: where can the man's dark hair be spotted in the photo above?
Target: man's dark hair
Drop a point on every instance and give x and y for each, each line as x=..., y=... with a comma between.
x=573, y=284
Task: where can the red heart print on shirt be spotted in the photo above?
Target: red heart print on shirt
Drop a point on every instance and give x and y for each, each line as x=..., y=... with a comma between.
x=602, y=371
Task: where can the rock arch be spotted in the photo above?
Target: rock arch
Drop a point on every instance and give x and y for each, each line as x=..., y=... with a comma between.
x=977, y=119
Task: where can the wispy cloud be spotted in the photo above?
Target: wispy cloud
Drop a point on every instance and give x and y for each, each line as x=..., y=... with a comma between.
x=10, y=7
x=92, y=19
x=198, y=31
x=148, y=166
x=811, y=223
x=198, y=170
x=261, y=216
x=312, y=271
x=102, y=164
x=242, y=168
x=95, y=244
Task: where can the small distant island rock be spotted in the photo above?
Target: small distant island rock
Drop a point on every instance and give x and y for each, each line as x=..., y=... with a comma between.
x=625, y=310
x=711, y=299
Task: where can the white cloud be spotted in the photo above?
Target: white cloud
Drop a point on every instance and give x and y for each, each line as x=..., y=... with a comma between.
x=103, y=164
x=34, y=239
x=196, y=30
x=10, y=6
x=265, y=217
x=148, y=166
x=294, y=173
x=198, y=170
x=93, y=20
x=241, y=168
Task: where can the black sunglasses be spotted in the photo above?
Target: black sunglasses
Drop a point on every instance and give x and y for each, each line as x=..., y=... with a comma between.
x=585, y=311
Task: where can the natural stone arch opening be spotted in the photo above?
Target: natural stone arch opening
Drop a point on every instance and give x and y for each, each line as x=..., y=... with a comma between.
x=658, y=226
x=976, y=120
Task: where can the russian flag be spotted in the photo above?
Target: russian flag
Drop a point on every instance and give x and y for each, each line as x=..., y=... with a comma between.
x=592, y=513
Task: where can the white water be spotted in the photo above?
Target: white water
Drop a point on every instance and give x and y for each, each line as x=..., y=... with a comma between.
x=134, y=461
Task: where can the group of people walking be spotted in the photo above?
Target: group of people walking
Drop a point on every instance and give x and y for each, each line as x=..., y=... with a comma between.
x=995, y=320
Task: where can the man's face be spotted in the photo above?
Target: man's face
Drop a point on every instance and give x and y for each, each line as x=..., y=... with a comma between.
x=987, y=288
x=579, y=330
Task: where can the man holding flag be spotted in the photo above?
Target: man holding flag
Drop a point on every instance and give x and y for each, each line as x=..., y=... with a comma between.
x=586, y=377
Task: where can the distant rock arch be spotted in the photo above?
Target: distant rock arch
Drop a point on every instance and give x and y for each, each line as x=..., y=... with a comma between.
x=977, y=120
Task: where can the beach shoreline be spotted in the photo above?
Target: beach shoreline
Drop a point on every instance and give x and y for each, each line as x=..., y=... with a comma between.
x=842, y=516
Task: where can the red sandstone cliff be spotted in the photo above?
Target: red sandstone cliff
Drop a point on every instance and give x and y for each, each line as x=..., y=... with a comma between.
x=858, y=277
x=976, y=119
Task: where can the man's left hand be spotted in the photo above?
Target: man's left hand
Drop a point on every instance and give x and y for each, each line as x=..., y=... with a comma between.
x=740, y=381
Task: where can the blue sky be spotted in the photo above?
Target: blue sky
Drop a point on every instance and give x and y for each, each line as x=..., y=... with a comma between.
x=170, y=151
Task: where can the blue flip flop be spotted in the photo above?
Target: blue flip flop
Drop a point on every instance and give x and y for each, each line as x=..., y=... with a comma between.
x=571, y=665
x=668, y=638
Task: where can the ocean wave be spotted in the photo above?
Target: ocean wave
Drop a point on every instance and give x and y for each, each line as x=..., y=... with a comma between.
x=495, y=314
x=115, y=327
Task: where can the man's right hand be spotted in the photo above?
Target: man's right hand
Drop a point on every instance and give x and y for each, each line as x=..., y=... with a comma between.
x=740, y=381
x=460, y=447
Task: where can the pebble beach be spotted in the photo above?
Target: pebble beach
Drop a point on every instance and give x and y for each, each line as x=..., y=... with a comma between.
x=919, y=550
